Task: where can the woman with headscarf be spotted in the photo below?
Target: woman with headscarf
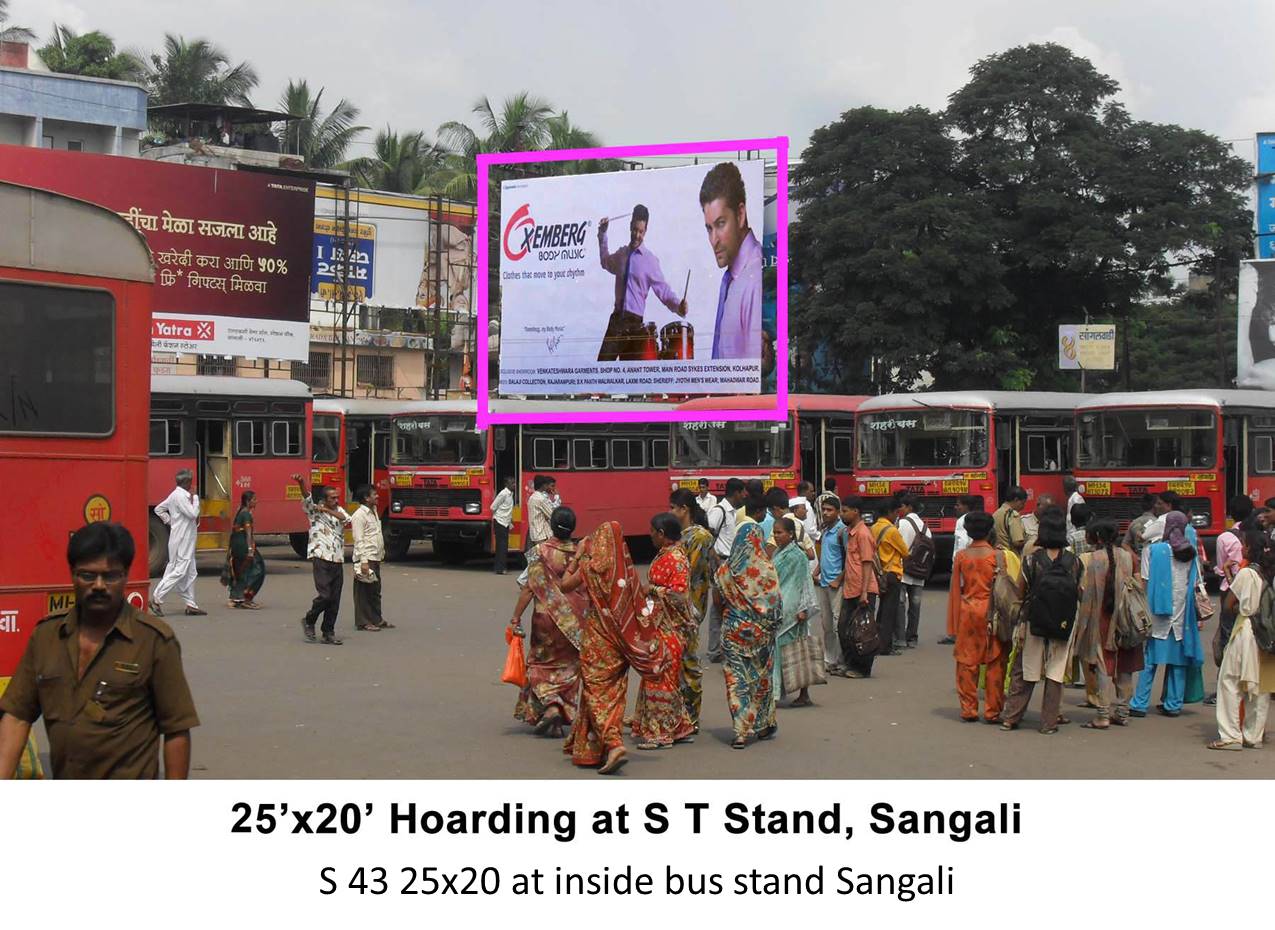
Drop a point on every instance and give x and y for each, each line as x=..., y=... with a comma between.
x=660, y=718
x=1247, y=676
x=1170, y=569
x=1108, y=570
x=697, y=540
x=750, y=589
x=616, y=636
x=548, y=702
x=797, y=602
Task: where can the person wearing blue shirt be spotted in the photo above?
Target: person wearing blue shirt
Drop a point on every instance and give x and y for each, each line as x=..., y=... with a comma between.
x=828, y=572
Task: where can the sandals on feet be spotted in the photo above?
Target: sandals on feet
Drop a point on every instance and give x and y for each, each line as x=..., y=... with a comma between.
x=739, y=743
x=1094, y=725
x=1229, y=747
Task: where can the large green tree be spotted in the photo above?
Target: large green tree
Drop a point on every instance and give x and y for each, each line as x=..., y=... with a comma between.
x=91, y=54
x=11, y=33
x=521, y=125
x=398, y=163
x=320, y=138
x=197, y=71
x=1067, y=208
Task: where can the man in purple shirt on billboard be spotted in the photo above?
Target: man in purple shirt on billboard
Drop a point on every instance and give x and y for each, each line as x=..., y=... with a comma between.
x=737, y=332
x=636, y=271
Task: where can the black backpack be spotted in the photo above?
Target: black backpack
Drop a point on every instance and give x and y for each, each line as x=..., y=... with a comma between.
x=1054, y=595
x=920, y=559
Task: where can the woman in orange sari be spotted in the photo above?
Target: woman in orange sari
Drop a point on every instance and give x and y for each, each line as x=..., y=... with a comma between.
x=548, y=702
x=660, y=719
x=616, y=637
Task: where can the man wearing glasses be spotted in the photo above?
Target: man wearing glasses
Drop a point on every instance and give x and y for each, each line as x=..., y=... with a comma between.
x=106, y=677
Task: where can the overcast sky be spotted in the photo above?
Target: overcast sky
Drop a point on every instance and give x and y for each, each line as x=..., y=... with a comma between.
x=657, y=71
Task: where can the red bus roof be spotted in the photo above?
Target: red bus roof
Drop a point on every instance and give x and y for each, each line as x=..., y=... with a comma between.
x=1050, y=401
x=831, y=403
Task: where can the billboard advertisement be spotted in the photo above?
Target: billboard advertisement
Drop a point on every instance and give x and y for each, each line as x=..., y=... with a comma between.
x=633, y=282
x=1087, y=347
x=231, y=248
x=1255, y=342
x=329, y=263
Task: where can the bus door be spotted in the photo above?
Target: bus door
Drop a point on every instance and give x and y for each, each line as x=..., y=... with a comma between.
x=1233, y=457
x=213, y=464
x=1044, y=454
x=810, y=433
x=1006, y=466
x=359, y=449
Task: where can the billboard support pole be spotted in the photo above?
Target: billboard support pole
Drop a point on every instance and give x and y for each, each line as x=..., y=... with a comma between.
x=437, y=245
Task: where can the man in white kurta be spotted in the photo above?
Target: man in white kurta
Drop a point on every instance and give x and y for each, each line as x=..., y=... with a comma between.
x=180, y=513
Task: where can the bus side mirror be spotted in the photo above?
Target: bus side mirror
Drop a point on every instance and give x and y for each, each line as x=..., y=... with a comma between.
x=502, y=439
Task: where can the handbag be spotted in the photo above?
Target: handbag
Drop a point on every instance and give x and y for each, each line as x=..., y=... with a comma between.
x=1203, y=604
x=802, y=664
x=515, y=672
x=858, y=631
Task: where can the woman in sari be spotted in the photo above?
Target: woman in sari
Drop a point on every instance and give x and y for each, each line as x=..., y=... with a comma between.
x=697, y=540
x=245, y=568
x=1247, y=676
x=660, y=718
x=797, y=601
x=1107, y=571
x=548, y=702
x=616, y=637
x=750, y=589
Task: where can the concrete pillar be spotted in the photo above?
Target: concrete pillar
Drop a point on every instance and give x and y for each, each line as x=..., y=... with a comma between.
x=117, y=141
x=35, y=133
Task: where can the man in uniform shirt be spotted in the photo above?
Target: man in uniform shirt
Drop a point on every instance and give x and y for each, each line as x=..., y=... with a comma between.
x=1031, y=521
x=106, y=677
x=1006, y=523
x=721, y=523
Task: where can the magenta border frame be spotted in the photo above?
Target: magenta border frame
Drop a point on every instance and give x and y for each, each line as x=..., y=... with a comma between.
x=673, y=415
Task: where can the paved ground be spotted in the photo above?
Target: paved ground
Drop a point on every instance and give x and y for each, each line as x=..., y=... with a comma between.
x=425, y=701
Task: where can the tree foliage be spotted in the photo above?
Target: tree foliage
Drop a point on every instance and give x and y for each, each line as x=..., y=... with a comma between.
x=11, y=33
x=955, y=243
x=92, y=54
x=398, y=163
x=320, y=138
x=197, y=71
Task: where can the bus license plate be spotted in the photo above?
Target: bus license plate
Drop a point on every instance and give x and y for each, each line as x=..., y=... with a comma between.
x=958, y=486
x=878, y=487
x=689, y=484
x=1181, y=487
x=292, y=493
x=459, y=481
x=403, y=481
x=1098, y=488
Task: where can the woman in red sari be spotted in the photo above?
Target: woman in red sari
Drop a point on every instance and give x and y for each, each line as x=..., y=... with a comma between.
x=616, y=637
x=660, y=719
x=548, y=702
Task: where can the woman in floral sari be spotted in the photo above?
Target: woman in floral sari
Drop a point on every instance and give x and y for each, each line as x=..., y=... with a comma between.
x=548, y=702
x=660, y=719
x=797, y=596
x=698, y=542
x=245, y=568
x=750, y=620
x=616, y=637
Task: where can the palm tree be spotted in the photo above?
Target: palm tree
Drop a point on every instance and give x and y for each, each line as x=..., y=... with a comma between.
x=320, y=139
x=521, y=126
x=12, y=33
x=92, y=54
x=198, y=72
x=398, y=163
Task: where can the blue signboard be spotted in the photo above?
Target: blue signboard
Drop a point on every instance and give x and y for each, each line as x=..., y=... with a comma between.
x=328, y=263
x=1266, y=153
x=1266, y=206
x=1266, y=246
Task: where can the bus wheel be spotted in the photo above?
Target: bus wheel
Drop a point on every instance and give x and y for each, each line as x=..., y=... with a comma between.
x=156, y=547
x=396, y=546
x=300, y=543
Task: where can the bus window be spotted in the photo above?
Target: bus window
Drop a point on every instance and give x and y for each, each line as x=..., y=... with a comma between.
x=659, y=453
x=627, y=453
x=589, y=453
x=1148, y=439
x=250, y=437
x=1048, y=452
x=440, y=439
x=327, y=438
x=923, y=439
x=381, y=449
x=842, y=452
x=548, y=454
x=1262, y=456
x=742, y=444
x=285, y=437
x=57, y=355
x=166, y=437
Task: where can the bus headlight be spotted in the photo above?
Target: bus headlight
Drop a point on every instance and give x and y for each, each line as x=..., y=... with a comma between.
x=396, y=507
x=1201, y=519
x=473, y=507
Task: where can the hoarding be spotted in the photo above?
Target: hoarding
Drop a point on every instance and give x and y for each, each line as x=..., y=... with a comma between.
x=1087, y=347
x=625, y=283
x=1255, y=342
x=231, y=248
x=330, y=261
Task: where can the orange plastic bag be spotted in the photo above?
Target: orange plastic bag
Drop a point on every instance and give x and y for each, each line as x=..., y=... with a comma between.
x=515, y=672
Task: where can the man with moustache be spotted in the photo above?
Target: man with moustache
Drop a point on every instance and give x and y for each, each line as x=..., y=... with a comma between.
x=737, y=330
x=106, y=677
x=637, y=272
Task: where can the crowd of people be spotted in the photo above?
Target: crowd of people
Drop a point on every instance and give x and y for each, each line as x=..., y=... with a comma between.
x=793, y=589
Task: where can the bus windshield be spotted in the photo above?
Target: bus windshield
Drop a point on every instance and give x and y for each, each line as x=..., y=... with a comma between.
x=923, y=439
x=1161, y=438
x=326, y=441
x=439, y=439
x=742, y=444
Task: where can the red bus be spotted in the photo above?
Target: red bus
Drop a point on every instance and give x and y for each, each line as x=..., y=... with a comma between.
x=943, y=446
x=75, y=310
x=1207, y=445
x=766, y=449
x=236, y=435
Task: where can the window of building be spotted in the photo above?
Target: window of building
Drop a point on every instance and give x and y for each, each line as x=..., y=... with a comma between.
x=285, y=437
x=375, y=370
x=215, y=365
x=166, y=437
x=75, y=145
x=250, y=437
x=549, y=453
x=317, y=372
x=47, y=142
x=627, y=453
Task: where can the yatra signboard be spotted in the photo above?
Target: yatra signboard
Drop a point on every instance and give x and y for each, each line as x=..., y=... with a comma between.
x=632, y=282
x=231, y=248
